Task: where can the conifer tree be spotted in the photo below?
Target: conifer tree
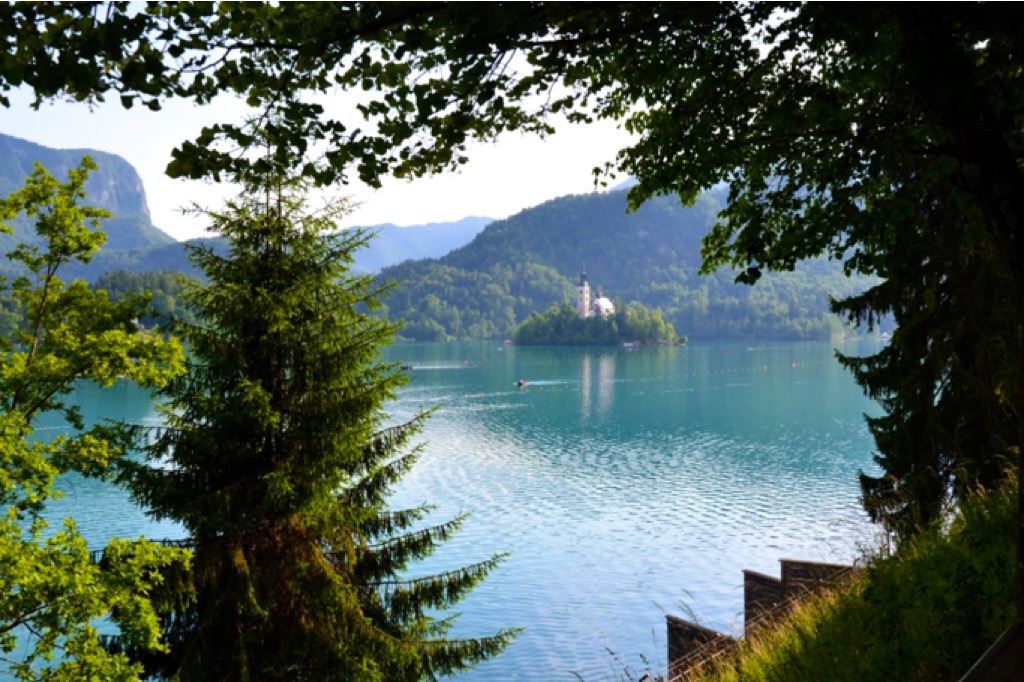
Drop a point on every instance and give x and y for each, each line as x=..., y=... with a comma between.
x=276, y=461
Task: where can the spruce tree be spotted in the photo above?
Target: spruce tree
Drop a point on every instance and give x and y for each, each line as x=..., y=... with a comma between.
x=277, y=461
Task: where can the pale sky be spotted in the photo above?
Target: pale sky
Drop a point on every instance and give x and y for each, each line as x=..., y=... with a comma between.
x=501, y=178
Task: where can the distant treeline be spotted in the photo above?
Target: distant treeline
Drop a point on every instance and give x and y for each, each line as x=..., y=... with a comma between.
x=562, y=326
x=164, y=286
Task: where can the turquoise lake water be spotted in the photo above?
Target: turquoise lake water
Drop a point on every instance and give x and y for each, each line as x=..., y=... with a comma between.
x=625, y=484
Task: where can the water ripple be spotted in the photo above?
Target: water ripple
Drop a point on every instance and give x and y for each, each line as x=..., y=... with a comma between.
x=625, y=497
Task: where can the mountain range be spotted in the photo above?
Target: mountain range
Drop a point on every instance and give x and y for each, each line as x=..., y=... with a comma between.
x=114, y=186
x=390, y=245
x=136, y=245
x=478, y=278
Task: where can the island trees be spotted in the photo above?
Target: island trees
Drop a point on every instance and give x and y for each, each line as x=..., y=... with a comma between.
x=277, y=460
x=562, y=326
x=51, y=592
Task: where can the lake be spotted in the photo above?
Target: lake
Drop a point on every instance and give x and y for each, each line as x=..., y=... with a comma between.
x=624, y=483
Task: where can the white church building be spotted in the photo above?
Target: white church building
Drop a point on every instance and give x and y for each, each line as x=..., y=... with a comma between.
x=585, y=307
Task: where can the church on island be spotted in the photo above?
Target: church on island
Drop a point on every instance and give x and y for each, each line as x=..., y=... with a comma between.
x=595, y=322
x=584, y=307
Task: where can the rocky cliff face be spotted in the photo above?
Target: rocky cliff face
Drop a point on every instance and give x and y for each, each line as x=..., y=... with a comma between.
x=115, y=186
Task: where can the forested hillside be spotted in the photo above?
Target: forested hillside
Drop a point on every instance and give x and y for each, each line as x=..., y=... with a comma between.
x=511, y=269
x=163, y=287
x=530, y=261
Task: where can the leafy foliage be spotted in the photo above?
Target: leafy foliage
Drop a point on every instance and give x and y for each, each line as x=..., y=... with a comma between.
x=279, y=466
x=50, y=591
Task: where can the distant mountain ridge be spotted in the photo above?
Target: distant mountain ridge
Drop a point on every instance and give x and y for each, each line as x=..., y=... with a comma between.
x=473, y=281
x=136, y=245
x=393, y=244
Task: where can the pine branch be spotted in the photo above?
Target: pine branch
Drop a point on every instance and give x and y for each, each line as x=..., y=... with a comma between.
x=385, y=524
x=447, y=657
x=406, y=600
x=390, y=557
x=371, y=489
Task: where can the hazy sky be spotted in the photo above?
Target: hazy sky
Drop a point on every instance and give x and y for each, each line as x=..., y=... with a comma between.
x=502, y=178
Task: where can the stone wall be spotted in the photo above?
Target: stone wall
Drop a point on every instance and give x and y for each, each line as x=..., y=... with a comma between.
x=762, y=594
x=690, y=645
x=799, y=577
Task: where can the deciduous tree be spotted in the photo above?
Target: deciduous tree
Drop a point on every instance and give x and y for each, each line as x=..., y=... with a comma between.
x=51, y=591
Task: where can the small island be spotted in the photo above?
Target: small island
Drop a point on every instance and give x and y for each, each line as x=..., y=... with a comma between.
x=596, y=323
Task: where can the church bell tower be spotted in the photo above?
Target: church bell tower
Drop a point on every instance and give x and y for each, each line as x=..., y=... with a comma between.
x=583, y=295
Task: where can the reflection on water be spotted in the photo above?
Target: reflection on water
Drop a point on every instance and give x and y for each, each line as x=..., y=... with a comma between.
x=606, y=387
x=585, y=388
x=605, y=382
x=625, y=484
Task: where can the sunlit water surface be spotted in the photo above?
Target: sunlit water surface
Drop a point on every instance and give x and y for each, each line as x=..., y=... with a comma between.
x=624, y=484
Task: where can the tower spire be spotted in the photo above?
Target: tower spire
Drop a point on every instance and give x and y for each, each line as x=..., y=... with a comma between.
x=583, y=294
